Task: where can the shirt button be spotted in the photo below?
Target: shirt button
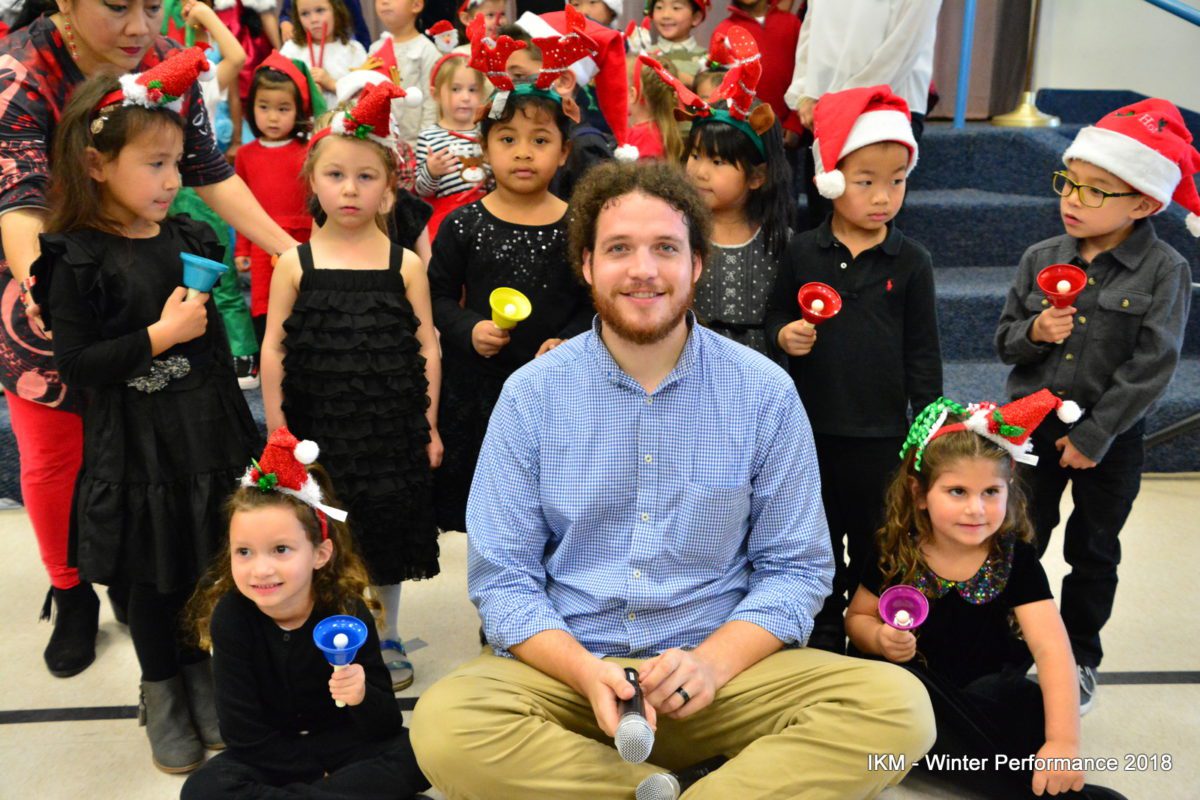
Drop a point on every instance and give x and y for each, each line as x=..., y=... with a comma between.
x=645, y=517
x=287, y=637
x=1045, y=303
x=1125, y=303
x=1070, y=357
x=1091, y=281
x=1082, y=320
x=632, y=617
x=649, y=458
x=637, y=573
x=842, y=265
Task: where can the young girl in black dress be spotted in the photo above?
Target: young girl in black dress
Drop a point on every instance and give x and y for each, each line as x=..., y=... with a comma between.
x=351, y=359
x=957, y=530
x=514, y=237
x=288, y=562
x=166, y=429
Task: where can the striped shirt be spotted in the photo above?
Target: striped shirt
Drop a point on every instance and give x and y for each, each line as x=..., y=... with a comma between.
x=639, y=522
x=438, y=138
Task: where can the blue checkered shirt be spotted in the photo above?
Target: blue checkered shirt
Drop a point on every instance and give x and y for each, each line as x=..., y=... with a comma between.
x=638, y=522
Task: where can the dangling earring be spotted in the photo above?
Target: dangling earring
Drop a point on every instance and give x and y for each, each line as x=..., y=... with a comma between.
x=69, y=35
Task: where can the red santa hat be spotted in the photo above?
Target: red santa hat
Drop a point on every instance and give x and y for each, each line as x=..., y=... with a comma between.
x=283, y=467
x=607, y=67
x=371, y=115
x=1146, y=145
x=164, y=84
x=848, y=120
x=444, y=35
x=1009, y=426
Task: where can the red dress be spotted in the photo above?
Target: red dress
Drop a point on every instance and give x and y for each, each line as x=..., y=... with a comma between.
x=273, y=175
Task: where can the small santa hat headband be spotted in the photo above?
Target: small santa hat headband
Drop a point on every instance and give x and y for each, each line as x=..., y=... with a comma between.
x=444, y=35
x=559, y=52
x=1146, y=145
x=851, y=119
x=161, y=86
x=283, y=467
x=738, y=89
x=370, y=118
x=1009, y=426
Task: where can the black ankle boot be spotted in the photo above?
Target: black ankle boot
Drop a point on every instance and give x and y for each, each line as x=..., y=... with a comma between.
x=72, y=646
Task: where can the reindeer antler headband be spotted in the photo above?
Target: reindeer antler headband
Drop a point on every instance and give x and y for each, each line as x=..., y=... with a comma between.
x=738, y=90
x=490, y=56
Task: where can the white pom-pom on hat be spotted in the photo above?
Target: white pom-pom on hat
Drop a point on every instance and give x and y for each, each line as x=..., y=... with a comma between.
x=412, y=97
x=627, y=153
x=1193, y=224
x=1069, y=412
x=831, y=185
x=306, y=451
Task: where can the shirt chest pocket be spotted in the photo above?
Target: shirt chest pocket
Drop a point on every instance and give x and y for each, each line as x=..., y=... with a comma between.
x=1120, y=315
x=710, y=524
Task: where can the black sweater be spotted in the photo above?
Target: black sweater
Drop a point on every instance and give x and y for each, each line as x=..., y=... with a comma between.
x=273, y=696
x=880, y=354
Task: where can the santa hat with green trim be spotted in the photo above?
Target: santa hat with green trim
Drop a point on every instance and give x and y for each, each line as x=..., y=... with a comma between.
x=1009, y=426
x=851, y=119
x=297, y=71
x=1146, y=145
x=164, y=84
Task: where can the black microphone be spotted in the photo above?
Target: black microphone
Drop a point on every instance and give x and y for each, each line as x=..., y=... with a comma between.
x=635, y=737
x=670, y=785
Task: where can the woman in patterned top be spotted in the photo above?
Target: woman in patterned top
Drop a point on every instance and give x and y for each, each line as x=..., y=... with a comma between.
x=39, y=68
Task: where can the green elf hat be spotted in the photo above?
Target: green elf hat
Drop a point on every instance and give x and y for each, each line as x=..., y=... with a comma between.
x=1009, y=426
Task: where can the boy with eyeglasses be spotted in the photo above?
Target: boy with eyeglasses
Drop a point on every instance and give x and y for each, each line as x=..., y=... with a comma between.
x=1113, y=351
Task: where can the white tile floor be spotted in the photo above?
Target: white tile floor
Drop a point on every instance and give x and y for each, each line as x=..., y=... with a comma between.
x=1151, y=630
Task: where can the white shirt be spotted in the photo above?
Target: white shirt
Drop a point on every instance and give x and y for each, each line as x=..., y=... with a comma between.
x=415, y=59
x=847, y=44
x=339, y=59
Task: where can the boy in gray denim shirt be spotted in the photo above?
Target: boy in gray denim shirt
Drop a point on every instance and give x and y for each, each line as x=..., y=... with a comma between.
x=1113, y=351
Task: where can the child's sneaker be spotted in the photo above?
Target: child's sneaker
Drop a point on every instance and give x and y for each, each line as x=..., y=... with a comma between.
x=1087, y=689
x=247, y=372
x=396, y=660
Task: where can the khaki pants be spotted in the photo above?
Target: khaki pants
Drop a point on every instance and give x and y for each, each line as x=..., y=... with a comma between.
x=801, y=723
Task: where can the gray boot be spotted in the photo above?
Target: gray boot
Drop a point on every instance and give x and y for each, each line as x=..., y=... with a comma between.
x=174, y=746
x=202, y=702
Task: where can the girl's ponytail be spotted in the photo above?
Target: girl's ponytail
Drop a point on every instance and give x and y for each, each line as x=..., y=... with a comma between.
x=661, y=100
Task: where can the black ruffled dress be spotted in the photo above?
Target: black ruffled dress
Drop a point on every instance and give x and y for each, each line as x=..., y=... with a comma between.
x=166, y=437
x=354, y=382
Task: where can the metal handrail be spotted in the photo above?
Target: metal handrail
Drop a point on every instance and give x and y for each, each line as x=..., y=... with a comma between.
x=1179, y=9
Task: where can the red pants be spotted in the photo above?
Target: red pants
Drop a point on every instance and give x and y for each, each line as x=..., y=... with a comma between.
x=50, y=443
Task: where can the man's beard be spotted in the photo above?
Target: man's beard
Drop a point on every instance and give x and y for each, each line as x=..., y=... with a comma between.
x=612, y=319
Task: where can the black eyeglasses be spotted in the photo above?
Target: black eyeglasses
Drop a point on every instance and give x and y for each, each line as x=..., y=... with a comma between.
x=1089, y=196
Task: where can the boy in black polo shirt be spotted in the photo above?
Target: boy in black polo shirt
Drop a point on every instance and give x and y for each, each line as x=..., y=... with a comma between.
x=1120, y=343
x=880, y=354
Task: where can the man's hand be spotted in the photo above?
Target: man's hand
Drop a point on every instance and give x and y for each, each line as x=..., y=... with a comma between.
x=1072, y=457
x=1052, y=325
x=797, y=338
x=349, y=684
x=662, y=675
x=604, y=686
x=896, y=646
x=1057, y=781
x=487, y=339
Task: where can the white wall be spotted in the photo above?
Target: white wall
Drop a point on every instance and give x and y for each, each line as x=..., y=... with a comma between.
x=1118, y=44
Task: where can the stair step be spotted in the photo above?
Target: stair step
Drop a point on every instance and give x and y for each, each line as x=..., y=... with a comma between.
x=949, y=157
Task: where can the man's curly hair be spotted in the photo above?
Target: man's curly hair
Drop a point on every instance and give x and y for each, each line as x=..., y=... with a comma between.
x=606, y=182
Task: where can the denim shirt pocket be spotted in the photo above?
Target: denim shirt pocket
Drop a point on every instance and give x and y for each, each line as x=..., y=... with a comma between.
x=708, y=530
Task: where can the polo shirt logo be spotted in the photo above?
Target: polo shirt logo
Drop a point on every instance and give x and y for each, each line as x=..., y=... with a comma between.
x=889, y=285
